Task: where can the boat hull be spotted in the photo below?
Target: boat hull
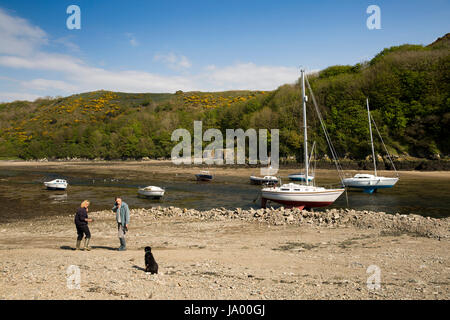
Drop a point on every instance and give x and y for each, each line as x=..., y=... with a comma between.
x=56, y=188
x=203, y=177
x=259, y=180
x=159, y=193
x=299, y=177
x=51, y=186
x=302, y=199
x=370, y=185
x=152, y=194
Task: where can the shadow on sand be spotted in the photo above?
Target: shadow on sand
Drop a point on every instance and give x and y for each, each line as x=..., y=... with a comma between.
x=104, y=247
x=139, y=268
x=92, y=247
x=67, y=248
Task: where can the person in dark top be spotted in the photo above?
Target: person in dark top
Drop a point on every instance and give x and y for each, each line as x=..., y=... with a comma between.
x=81, y=222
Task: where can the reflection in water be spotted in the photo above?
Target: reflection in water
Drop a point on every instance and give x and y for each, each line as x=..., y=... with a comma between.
x=23, y=194
x=57, y=198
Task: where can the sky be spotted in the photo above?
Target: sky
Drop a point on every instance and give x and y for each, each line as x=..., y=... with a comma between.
x=215, y=45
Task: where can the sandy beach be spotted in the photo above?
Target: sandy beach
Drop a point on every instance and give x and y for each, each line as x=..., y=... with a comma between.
x=221, y=254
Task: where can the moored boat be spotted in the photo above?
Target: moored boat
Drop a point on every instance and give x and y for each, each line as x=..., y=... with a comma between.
x=300, y=177
x=57, y=184
x=204, y=176
x=151, y=191
x=263, y=180
x=371, y=182
x=298, y=195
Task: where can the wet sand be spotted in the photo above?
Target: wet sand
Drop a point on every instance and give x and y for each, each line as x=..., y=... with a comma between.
x=166, y=167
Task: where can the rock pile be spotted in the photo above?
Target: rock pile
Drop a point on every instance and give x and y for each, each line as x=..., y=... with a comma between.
x=331, y=218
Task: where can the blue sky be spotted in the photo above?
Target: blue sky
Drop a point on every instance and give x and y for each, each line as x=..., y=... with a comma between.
x=162, y=46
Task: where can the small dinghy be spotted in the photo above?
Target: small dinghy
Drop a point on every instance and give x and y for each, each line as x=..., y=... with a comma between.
x=270, y=180
x=204, y=176
x=151, y=192
x=57, y=184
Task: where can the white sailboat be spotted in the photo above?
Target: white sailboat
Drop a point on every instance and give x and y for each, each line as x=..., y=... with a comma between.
x=301, y=195
x=370, y=182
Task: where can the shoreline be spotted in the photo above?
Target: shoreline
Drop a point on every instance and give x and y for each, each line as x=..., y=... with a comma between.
x=166, y=166
x=230, y=254
x=411, y=224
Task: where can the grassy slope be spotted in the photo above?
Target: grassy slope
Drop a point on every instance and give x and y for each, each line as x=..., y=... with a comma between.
x=408, y=87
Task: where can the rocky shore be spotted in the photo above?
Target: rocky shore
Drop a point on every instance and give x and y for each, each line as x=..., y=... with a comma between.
x=230, y=254
x=412, y=224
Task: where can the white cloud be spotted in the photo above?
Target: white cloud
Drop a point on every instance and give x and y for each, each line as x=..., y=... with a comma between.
x=72, y=75
x=43, y=61
x=173, y=61
x=68, y=44
x=19, y=37
x=80, y=76
x=249, y=76
x=12, y=96
x=46, y=84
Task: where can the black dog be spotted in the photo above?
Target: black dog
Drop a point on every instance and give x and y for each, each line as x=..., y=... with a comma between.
x=150, y=263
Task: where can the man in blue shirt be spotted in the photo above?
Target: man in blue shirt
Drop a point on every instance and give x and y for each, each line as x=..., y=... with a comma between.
x=123, y=219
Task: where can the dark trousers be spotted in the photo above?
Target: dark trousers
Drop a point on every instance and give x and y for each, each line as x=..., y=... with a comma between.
x=83, y=230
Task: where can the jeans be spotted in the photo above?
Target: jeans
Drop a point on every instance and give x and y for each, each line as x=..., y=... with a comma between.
x=83, y=229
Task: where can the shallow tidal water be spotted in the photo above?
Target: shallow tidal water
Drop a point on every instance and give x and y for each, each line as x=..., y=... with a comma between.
x=23, y=195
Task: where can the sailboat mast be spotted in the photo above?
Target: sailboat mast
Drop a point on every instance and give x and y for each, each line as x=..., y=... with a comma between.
x=304, y=99
x=371, y=138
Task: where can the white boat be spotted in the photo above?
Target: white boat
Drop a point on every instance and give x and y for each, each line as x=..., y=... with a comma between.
x=57, y=184
x=263, y=180
x=371, y=182
x=151, y=191
x=298, y=195
x=300, y=177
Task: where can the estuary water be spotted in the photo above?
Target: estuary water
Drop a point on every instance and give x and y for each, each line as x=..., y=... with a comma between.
x=23, y=195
